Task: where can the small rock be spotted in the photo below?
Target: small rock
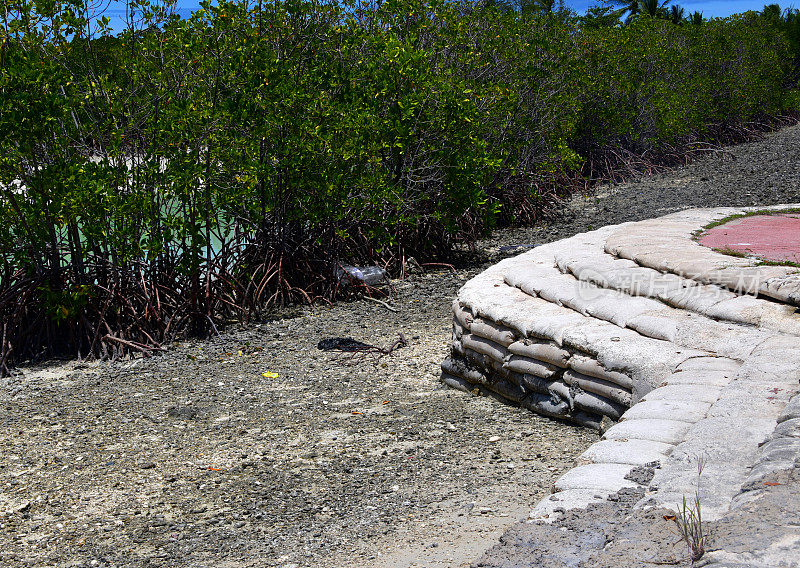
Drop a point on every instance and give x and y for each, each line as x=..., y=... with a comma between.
x=147, y=465
x=494, y=439
x=182, y=412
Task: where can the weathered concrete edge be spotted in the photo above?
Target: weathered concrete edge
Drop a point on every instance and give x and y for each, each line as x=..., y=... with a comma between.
x=593, y=481
x=570, y=490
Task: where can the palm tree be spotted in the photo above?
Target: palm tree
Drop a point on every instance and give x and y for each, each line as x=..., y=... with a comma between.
x=677, y=15
x=631, y=7
x=696, y=19
x=772, y=12
x=654, y=8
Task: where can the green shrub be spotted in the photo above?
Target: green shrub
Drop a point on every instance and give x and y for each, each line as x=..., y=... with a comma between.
x=653, y=83
x=188, y=171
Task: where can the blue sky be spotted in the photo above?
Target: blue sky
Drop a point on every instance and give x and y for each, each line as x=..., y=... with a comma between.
x=709, y=8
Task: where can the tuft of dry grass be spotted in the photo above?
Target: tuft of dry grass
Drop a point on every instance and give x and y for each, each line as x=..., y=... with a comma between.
x=689, y=520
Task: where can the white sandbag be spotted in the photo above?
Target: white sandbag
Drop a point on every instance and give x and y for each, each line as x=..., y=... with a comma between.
x=492, y=370
x=493, y=332
x=580, y=400
x=547, y=352
x=458, y=330
x=495, y=380
x=530, y=382
x=546, y=405
x=592, y=368
x=561, y=390
x=553, y=327
x=655, y=326
x=520, y=364
x=588, y=420
x=597, y=404
x=484, y=346
x=785, y=288
x=619, y=308
x=457, y=382
x=462, y=316
x=542, y=281
x=598, y=386
x=478, y=360
x=459, y=368
x=506, y=389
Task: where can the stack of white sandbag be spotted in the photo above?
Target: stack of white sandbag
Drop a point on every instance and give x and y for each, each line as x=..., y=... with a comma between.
x=536, y=373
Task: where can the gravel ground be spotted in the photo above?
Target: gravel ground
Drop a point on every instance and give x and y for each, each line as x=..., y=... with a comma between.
x=195, y=458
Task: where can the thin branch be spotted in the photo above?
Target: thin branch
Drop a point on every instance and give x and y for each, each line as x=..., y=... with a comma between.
x=382, y=303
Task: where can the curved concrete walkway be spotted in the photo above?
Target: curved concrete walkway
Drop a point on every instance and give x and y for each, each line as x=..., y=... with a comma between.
x=690, y=354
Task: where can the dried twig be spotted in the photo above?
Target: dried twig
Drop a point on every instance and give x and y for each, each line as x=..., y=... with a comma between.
x=213, y=326
x=382, y=303
x=358, y=350
x=442, y=264
x=131, y=344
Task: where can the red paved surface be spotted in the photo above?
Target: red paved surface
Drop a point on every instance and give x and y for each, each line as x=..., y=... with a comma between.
x=772, y=237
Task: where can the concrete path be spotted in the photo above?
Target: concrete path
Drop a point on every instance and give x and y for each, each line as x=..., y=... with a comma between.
x=685, y=358
x=772, y=237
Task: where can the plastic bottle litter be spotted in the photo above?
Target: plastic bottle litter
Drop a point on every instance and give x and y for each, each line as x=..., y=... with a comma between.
x=369, y=275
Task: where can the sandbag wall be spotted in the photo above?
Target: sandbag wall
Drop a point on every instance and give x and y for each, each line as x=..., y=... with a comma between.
x=535, y=373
